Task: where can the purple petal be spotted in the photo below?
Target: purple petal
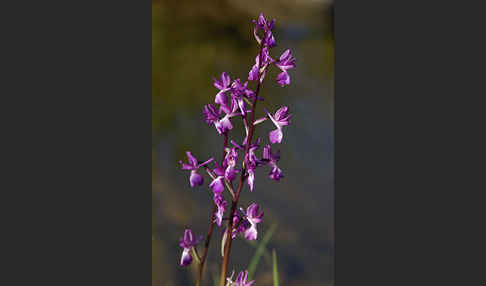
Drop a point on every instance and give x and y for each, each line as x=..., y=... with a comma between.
x=225, y=79
x=270, y=40
x=217, y=185
x=186, y=166
x=195, y=179
x=251, y=179
x=219, y=171
x=191, y=158
x=221, y=204
x=276, y=173
x=223, y=125
x=230, y=173
x=210, y=114
x=276, y=136
x=252, y=210
x=251, y=233
x=252, y=214
x=236, y=145
x=283, y=78
x=222, y=99
x=271, y=118
x=281, y=113
x=271, y=24
x=261, y=20
x=217, y=84
x=205, y=163
x=186, y=258
x=253, y=74
x=285, y=55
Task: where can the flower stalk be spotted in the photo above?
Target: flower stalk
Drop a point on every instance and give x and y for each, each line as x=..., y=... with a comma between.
x=235, y=99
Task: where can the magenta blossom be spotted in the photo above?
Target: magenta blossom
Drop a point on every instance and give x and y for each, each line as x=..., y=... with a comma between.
x=224, y=84
x=238, y=91
x=230, y=163
x=280, y=119
x=241, y=279
x=221, y=204
x=266, y=26
x=272, y=159
x=252, y=163
x=187, y=242
x=285, y=63
x=253, y=218
x=195, y=178
x=211, y=115
x=217, y=185
x=266, y=61
x=240, y=224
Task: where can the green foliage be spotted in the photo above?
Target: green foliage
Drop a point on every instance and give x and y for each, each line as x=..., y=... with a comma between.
x=259, y=252
x=275, y=271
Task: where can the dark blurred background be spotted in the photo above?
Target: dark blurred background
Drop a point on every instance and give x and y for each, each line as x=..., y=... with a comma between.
x=194, y=41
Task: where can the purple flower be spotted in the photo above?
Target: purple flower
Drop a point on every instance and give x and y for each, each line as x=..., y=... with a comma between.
x=211, y=115
x=272, y=159
x=217, y=185
x=187, y=242
x=280, y=119
x=239, y=225
x=224, y=84
x=239, y=90
x=230, y=173
x=219, y=171
x=266, y=26
x=253, y=218
x=266, y=60
x=223, y=125
x=221, y=204
x=241, y=279
x=252, y=162
x=285, y=63
x=253, y=74
x=230, y=162
x=195, y=178
x=221, y=97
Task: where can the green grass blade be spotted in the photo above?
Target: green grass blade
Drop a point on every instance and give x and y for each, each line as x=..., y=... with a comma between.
x=275, y=271
x=266, y=254
x=259, y=251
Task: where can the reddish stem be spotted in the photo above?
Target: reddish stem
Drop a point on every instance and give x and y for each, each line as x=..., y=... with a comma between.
x=211, y=222
x=227, y=247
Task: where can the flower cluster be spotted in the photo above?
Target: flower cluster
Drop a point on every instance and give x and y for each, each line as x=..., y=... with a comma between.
x=187, y=242
x=235, y=99
x=241, y=279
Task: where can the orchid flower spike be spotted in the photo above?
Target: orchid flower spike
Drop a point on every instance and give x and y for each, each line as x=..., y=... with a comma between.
x=280, y=119
x=195, y=178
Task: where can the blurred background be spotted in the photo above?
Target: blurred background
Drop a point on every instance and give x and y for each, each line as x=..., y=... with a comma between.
x=194, y=41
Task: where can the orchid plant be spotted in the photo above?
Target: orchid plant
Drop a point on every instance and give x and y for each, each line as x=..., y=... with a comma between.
x=236, y=100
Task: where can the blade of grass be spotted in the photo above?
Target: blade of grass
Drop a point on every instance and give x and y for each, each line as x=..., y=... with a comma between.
x=215, y=275
x=266, y=254
x=259, y=252
x=275, y=271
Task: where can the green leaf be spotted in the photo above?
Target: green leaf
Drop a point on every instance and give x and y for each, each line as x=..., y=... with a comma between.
x=259, y=252
x=275, y=271
x=266, y=254
x=195, y=255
